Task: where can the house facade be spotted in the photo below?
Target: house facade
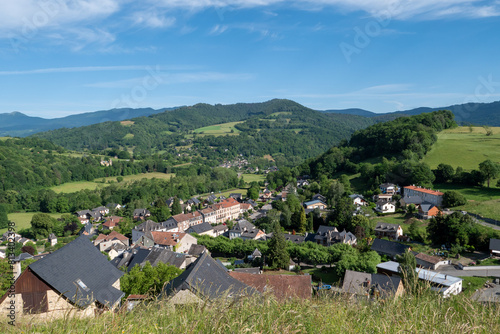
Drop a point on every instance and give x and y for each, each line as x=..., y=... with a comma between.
x=316, y=204
x=427, y=195
x=385, y=207
x=391, y=231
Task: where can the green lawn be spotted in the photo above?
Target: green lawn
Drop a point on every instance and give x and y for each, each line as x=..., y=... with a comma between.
x=219, y=129
x=480, y=200
x=92, y=185
x=326, y=276
x=23, y=220
x=253, y=177
x=460, y=147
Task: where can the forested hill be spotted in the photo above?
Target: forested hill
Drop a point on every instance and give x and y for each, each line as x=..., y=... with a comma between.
x=16, y=124
x=406, y=139
x=276, y=127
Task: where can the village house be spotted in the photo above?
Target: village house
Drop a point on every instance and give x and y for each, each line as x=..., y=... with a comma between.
x=52, y=239
x=442, y=283
x=245, y=230
x=358, y=200
x=389, y=188
x=315, y=204
x=221, y=229
x=385, y=207
x=141, y=229
x=427, y=195
x=202, y=229
x=282, y=287
x=102, y=210
x=391, y=231
x=495, y=247
x=174, y=241
x=329, y=235
x=298, y=239
x=106, y=241
x=372, y=285
x=141, y=214
x=382, y=198
x=267, y=194
x=209, y=215
x=204, y=280
x=388, y=248
x=429, y=262
x=227, y=209
x=186, y=220
x=428, y=211
x=74, y=280
x=154, y=256
x=111, y=222
x=407, y=200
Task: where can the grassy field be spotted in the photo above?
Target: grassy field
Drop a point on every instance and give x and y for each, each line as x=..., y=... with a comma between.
x=425, y=313
x=480, y=200
x=23, y=219
x=92, y=185
x=460, y=147
x=253, y=177
x=219, y=129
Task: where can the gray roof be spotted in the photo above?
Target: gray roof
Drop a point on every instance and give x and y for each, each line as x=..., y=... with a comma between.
x=22, y=257
x=381, y=226
x=200, y=228
x=495, y=244
x=147, y=226
x=256, y=252
x=81, y=273
x=361, y=283
x=388, y=247
x=162, y=255
x=322, y=229
x=243, y=225
x=205, y=277
x=425, y=207
x=141, y=212
x=196, y=250
x=296, y=239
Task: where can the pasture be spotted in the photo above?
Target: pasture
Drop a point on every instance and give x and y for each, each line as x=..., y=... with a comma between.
x=460, y=147
x=72, y=187
x=219, y=129
x=253, y=177
x=23, y=219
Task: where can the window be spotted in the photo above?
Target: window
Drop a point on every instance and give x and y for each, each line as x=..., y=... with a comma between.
x=82, y=285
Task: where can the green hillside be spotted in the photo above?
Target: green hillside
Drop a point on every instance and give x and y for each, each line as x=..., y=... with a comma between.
x=276, y=127
x=461, y=147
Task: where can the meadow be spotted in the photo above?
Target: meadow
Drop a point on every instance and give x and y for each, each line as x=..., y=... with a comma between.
x=460, y=147
x=219, y=129
x=23, y=219
x=253, y=177
x=71, y=187
x=327, y=313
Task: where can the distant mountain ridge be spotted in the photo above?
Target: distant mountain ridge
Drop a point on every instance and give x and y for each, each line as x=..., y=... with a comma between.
x=466, y=113
x=17, y=124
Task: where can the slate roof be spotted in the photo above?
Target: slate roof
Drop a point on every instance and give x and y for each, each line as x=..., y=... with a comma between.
x=495, y=244
x=200, y=228
x=137, y=257
x=322, y=229
x=205, y=277
x=361, y=283
x=316, y=201
x=81, y=273
x=196, y=250
x=147, y=226
x=425, y=207
x=296, y=239
x=386, y=227
x=388, y=247
x=424, y=259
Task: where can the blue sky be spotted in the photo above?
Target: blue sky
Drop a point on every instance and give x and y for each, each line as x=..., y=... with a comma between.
x=60, y=57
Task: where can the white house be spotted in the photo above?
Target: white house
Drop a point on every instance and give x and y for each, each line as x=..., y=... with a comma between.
x=385, y=207
x=441, y=283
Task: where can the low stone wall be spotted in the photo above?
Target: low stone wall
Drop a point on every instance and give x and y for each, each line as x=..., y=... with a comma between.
x=482, y=268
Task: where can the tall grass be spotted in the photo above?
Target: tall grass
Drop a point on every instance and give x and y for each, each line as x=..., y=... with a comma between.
x=423, y=313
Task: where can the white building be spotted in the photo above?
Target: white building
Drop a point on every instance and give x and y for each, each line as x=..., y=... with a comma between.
x=442, y=283
x=427, y=195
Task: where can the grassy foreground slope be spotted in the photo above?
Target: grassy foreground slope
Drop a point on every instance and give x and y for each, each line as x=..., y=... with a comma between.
x=461, y=147
x=425, y=314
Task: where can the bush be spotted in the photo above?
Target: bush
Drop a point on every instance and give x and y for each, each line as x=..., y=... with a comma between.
x=453, y=198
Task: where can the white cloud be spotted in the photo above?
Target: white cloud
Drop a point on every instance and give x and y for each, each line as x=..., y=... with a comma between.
x=76, y=69
x=177, y=78
x=218, y=29
x=152, y=19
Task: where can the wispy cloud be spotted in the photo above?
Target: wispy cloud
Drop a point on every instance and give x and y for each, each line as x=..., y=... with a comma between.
x=177, y=78
x=77, y=69
x=218, y=29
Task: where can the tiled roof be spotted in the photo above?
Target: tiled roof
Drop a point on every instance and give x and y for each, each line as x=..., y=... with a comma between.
x=428, y=258
x=424, y=190
x=166, y=238
x=112, y=236
x=281, y=286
